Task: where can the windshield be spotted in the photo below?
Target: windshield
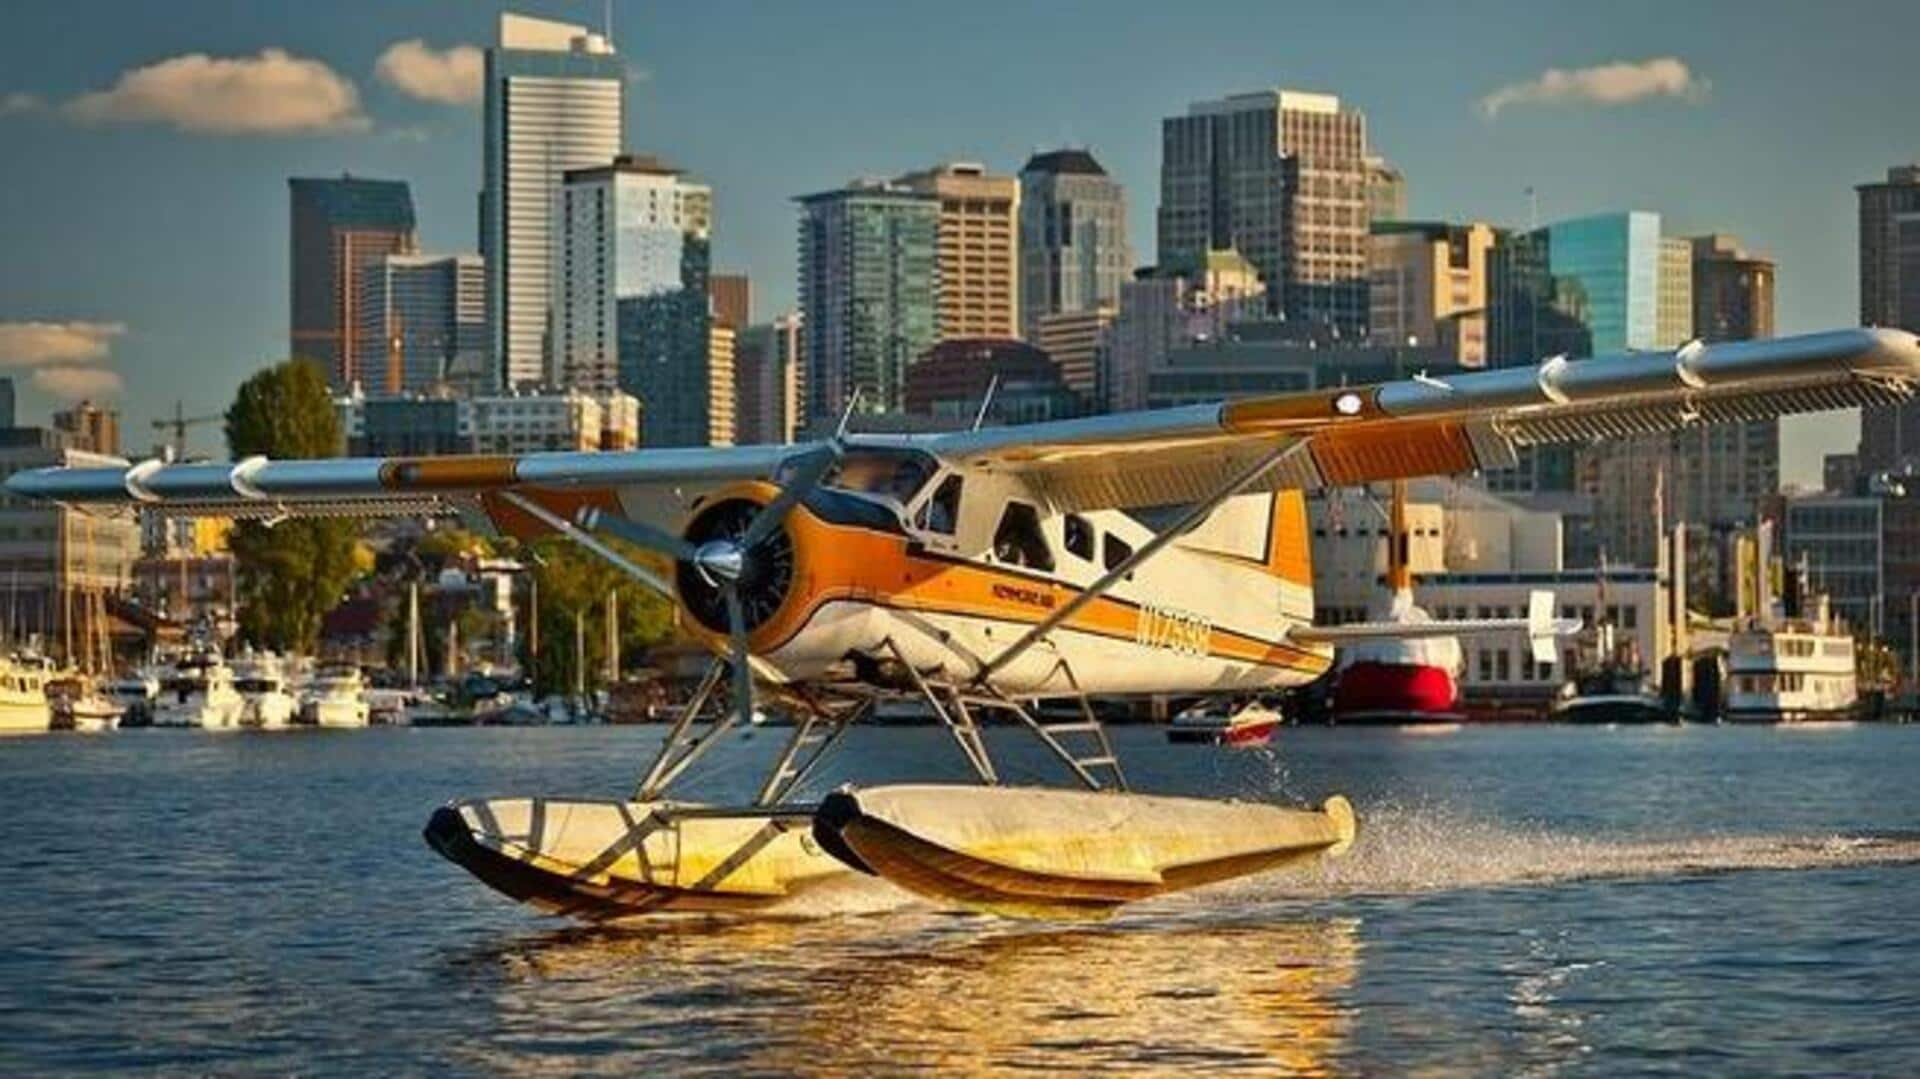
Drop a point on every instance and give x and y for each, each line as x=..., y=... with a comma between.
x=892, y=474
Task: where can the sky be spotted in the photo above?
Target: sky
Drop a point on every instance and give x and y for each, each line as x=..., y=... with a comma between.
x=143, y=199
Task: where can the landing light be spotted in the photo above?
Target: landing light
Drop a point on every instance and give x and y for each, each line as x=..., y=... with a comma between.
x=1347, y=404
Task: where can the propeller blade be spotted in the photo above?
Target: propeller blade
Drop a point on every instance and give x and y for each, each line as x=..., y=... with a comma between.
x=593, y=519
x=737, y=637
x=805, y=479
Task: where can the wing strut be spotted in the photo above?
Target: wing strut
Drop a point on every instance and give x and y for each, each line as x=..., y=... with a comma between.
x=1195, y=514
x=568, y=529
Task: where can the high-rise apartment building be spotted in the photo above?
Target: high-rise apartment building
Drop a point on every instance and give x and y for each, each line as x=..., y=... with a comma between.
x=1386, y=191
x=1173, y=306
x=732, y=299
x=90, y=428
x=1673, y=325
x=868, y=270
x=722, y=418
x=1727, y=467
x=1428, y=287
x=1732, y=290
x=630, y=307
x=977, y=284
x=553, y=103
x=1074, y=254
x=1281, y=176
x=427, y=314
x=340, y=229
x=769, y=383
x=1077, y=341
x=1890, y=296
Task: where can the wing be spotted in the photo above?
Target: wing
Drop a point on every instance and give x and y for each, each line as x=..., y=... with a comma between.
x=657, y=485
x=1433, y=426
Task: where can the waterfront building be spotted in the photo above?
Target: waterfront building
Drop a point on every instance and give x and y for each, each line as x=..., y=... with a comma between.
x=1175, y=304
x=487, y=423
x=553, y=100
x=1281, y=176
x=1839, y=539
x=1840, y=473
x=50, y=553
x=90, y=428
x=339, y=230
x=1386, y=191
x=977, y=279
x=1074, y=254
x=1890, y=296
x=868, y=273
x=1428, y=286
x=950, y=384
x=1077, y=341
x=769, y=382
x=1475, y=554
x=429, y=312
x=631, y=307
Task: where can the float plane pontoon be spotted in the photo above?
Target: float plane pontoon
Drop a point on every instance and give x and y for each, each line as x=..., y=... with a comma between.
x=1155, y=552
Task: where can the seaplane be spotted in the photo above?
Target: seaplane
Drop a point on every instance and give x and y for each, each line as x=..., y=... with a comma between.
x=979, y=572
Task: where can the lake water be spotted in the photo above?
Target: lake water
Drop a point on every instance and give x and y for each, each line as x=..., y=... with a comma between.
x=1521, y=900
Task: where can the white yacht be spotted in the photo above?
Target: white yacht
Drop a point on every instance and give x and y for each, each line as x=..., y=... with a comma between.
x=135, y=694
x=23, y=696
x=197, y=691
x=1794, y=671
x=262, y=682
x=336, y=697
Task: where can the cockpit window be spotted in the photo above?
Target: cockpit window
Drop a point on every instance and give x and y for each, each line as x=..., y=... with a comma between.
x=895, y=475
x=1079, y=537
x=1018, y=542
x=942, y=512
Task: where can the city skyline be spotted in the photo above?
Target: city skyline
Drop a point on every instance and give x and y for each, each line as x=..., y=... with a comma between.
x=1703, y=130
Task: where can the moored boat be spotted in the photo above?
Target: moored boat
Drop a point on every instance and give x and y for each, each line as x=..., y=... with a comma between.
x=336, y=697
x=23, y=696
x=197, y=692
x=1252, y=724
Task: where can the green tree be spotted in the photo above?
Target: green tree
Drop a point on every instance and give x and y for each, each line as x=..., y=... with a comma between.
x=574, y=581
x=292, y=573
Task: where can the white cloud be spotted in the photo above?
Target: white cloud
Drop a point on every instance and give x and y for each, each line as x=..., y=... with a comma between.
x=16, y=103
x=33, y=344
x=448, y=76
x=1617, y=83
x=73, y=383
x=273, y=93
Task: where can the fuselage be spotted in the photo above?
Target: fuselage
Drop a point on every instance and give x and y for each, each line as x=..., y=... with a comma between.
x=967, y=563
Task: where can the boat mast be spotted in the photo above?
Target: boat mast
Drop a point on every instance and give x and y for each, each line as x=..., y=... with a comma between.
x=413, y=635
x=613, y=636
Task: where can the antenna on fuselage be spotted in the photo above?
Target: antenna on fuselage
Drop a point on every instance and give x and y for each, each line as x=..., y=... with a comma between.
x=846, y=417
x=986, y=401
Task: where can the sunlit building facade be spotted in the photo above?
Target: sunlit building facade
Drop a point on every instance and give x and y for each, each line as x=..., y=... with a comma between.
x=868, y=274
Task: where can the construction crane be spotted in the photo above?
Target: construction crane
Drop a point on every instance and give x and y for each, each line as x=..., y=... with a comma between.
x=178, y=425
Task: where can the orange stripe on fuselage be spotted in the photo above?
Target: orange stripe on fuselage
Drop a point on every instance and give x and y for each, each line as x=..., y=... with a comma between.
x=840, y=562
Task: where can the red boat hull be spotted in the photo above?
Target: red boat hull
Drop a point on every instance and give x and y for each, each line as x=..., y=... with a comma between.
x=1370, y=691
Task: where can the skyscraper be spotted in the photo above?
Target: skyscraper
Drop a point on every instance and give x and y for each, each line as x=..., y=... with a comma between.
x=732, y=295
x=1173, y=306
x=90, y=428
x=341, y=228
x=1723, y=469
x=633, y=230
x=1673, y=325
x=769, y=382
x=1386, y=190
x=1428, y=286
x=1890, y=296
x=424, y=318
x=631, y=308
x=868, y=268
x=977, y=284
x=553, y=103
x=1074, y=254
x=1281, y=176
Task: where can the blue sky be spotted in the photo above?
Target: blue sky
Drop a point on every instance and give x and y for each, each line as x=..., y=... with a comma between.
x=168, y=244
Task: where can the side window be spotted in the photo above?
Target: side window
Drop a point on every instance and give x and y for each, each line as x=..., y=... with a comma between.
x=1017, y=542
x=1115, y=551
x=1079, y=537
x=941, y=513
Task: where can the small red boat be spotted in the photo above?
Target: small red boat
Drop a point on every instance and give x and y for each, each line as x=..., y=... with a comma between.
x=1250, y=726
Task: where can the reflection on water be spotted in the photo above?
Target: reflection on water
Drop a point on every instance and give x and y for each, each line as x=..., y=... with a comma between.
x=927, y=990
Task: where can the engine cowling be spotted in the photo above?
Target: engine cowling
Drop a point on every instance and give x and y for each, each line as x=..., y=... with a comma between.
x=767, y=570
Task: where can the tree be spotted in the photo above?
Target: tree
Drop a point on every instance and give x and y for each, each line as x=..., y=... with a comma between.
x=292, y=573
x=573, y=581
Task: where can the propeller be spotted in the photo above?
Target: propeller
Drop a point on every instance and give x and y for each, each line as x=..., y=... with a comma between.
x=727, y=559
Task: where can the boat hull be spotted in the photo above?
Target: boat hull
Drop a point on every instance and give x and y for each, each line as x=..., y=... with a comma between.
x=1063, y=853
x=1244, y=734
x=1373, y=693
x=607, y=861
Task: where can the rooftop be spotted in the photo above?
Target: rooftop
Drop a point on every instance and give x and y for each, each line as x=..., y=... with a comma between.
x=1064, y=162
